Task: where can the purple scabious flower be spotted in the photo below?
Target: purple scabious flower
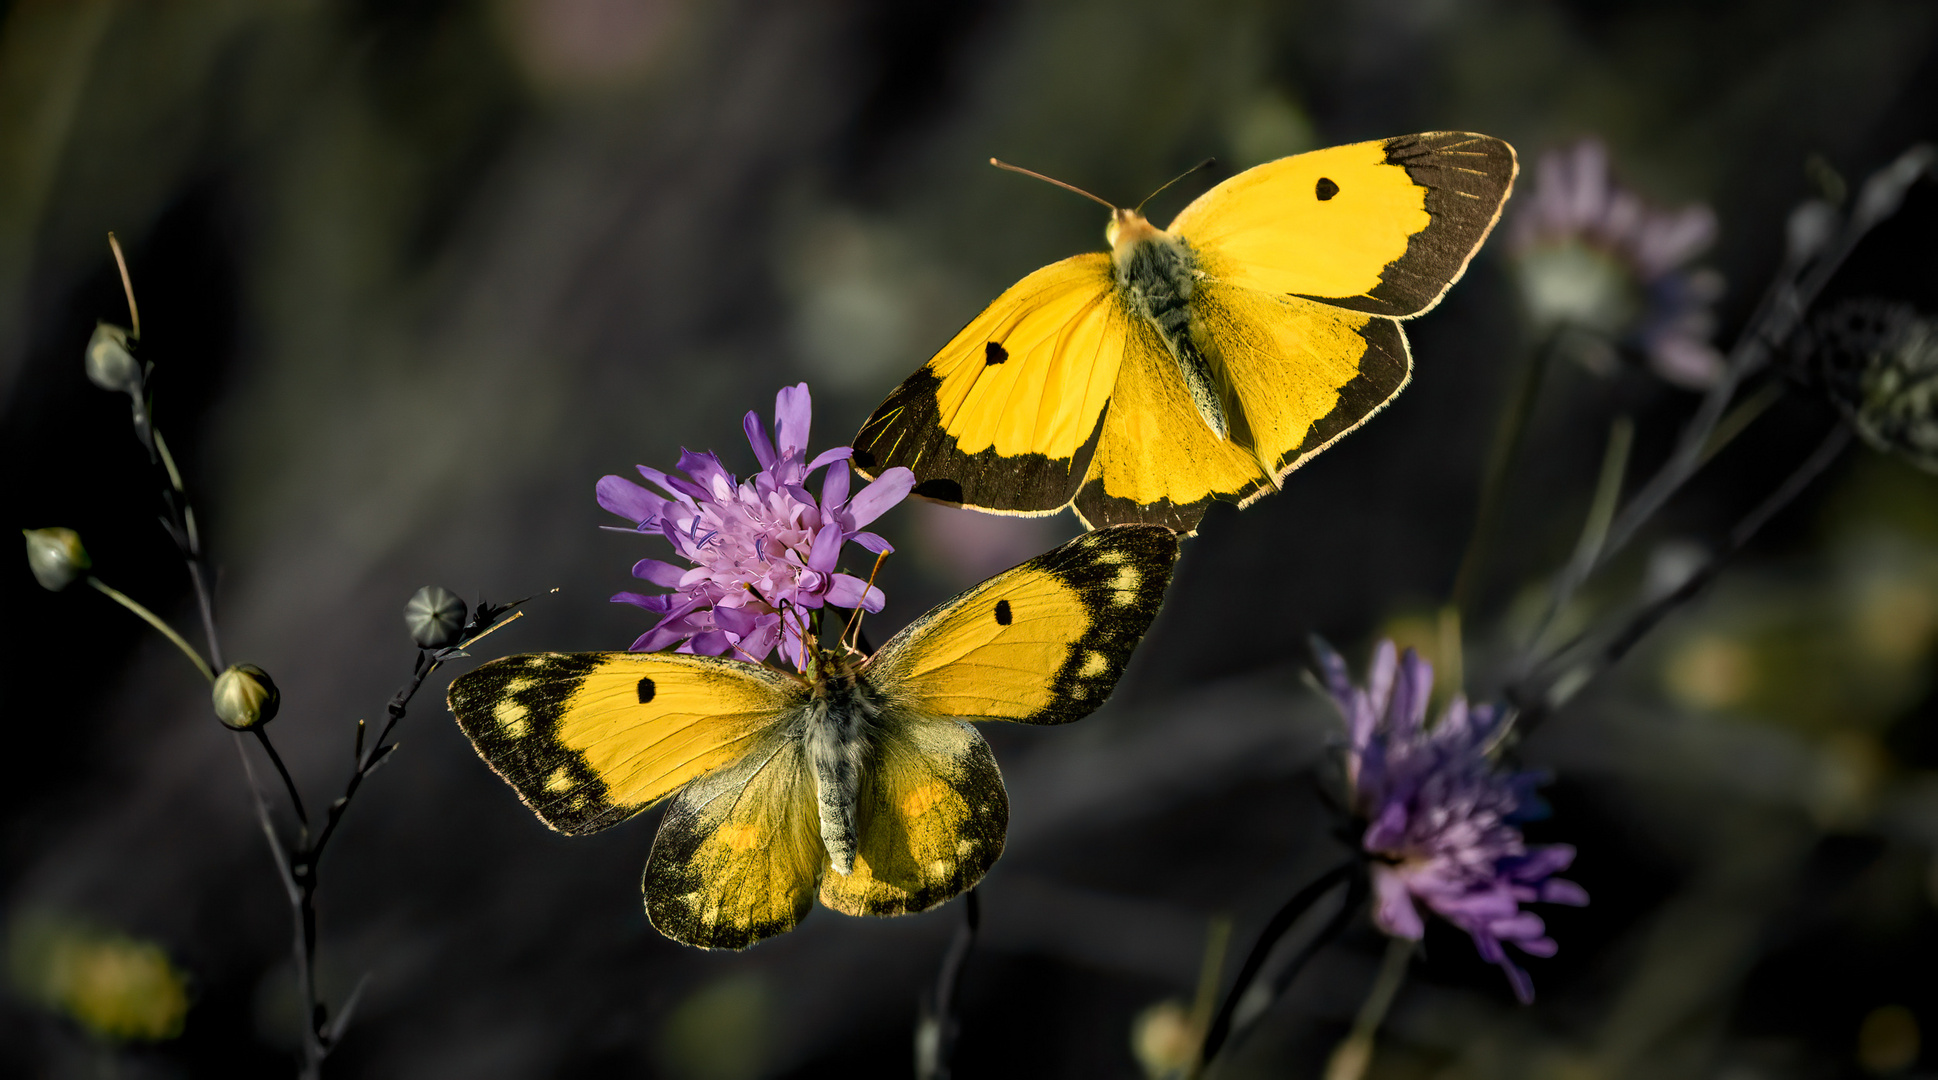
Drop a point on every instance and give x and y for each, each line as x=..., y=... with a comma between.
x=764, y=549
x=1442, y=815
x=1592, y=255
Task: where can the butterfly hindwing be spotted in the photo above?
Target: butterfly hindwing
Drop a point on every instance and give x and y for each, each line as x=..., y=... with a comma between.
x=932, y=817
x=590, y=739
x=1383, y=227
x=1043, y=643
x=738, y=854
x=1002, y=418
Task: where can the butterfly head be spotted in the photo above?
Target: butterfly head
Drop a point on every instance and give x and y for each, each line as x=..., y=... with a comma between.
x=1126, y=230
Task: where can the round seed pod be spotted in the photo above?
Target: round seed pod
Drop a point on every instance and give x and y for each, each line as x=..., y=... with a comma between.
x=435, y=617
x=245, y=697
x=56, y=557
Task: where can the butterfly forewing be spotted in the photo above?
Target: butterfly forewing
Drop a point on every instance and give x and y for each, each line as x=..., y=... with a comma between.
x=1043, y=643
x=1002, y=418
x=590, y=739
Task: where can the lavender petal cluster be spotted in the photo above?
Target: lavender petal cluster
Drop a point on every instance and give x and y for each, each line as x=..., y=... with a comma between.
x=763, y=550
x=1443, y=817
x=1593, y=254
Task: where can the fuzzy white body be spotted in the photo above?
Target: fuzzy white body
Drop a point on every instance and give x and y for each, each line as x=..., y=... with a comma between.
x=839, y=725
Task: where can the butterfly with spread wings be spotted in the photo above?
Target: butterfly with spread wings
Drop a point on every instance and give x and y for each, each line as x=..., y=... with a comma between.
x=861, y=783
x=1206, y=361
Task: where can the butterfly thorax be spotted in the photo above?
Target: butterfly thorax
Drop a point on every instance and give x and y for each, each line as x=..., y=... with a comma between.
x=840, y=715
x=1156, y=275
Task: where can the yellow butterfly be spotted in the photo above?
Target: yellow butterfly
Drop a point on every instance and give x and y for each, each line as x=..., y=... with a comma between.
x=1206, y=361
x=866, y=769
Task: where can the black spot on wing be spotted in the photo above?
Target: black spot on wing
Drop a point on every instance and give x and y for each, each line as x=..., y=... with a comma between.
x=1467, y=177
x=646, y=690
x=993, y=353
x=1002, y=613
x=941, y=489
x=1325, y=189
x=511, y=709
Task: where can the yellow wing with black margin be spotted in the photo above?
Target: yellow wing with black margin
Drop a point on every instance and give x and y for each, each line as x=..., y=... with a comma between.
x=1003, y=418
x=1384, y=227
x=590, y=739
x=1043, y=643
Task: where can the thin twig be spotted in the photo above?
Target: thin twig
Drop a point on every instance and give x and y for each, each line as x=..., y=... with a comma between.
x=127, y=288
x=155, y=621
x=295, y=798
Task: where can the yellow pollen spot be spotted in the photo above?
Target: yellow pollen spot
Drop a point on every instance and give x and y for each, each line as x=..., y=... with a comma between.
x=923, y=799
x=964, y=847
x=1094, y=665
x=515, y=685
x=1127, y=581
x=941, y=867
x=560, y=780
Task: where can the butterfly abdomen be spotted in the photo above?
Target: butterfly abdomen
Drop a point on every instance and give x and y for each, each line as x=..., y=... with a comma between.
x=839, y=719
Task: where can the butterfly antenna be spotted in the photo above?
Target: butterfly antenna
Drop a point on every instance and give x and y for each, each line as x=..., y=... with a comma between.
x=1205, y=164
x=854, y=621
x=1053, y=180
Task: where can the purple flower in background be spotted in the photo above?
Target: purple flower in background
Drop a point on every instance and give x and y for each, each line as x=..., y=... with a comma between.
x=763, y=550
x=1442, y=815
x=1592, y=255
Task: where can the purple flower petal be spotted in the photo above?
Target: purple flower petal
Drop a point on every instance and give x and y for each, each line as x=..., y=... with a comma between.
x=757, y=438
x=627, y=499
x=834, y=488
x=662, y=574
x=793, y=413
x=1393, y=906
x=891, y=487
x=825, y=552
x=872, y=542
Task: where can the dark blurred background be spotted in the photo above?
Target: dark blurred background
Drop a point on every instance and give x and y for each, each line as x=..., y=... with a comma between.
x=414, y=275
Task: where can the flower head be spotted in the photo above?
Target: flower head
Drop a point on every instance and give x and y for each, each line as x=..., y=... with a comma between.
x=1442, y=815
x=1593, y=256
x=764, y=550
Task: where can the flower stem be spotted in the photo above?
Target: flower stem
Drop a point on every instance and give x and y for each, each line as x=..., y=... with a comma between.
x=936, y=1031
x=1776, y=318
x=155, y=621
x=1536, y=693
x=1355, y=1052
x=1227, y=1021
x=1508, y=436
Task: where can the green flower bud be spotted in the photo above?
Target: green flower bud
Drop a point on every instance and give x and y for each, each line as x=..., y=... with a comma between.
x=56, y=557
x=110, y=365
x=435, y=617
x=245, y=697
x=1877, y=361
